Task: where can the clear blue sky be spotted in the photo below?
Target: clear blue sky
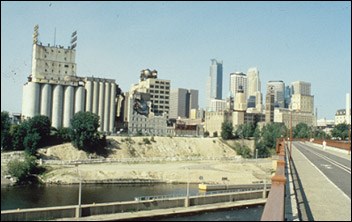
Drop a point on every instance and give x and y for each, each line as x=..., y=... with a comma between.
x=289, y=41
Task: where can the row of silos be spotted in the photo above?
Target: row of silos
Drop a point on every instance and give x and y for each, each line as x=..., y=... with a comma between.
x=101, y=101
x=58, y=102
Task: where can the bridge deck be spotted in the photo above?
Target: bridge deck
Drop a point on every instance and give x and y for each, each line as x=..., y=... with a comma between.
x=326, y=201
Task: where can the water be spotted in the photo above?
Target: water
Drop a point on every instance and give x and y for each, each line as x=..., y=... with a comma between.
x=32, y=196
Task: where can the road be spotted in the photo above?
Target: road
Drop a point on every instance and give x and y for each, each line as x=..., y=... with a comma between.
x=335, y=168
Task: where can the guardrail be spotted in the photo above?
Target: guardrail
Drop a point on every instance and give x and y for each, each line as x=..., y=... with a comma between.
x=160, y=197
x=274, y=209
x=148, y=160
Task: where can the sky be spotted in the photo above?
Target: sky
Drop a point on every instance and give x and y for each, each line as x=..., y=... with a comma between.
x=288, y=41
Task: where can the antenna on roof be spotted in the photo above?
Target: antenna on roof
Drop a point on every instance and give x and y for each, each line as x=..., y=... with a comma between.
x=35, y=34
x=74, y=40
x=54, y=36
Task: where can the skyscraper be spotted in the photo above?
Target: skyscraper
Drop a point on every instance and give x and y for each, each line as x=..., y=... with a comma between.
x=278, y=88
x=300, y=87
x=214, y=83
x=238, y=81
x=253, y=82
x=182, y=101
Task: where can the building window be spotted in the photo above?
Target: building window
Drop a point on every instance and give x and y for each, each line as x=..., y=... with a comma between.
x=46, y=70
x=66, y=72
x=66, y=66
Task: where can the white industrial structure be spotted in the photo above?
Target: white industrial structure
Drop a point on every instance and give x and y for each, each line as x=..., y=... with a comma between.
x=54, y=90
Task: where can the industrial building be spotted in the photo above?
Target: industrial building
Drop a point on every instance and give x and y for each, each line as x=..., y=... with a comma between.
x=54, y=89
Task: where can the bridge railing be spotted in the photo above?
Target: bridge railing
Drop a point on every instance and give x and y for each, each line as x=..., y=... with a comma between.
x=274, y=209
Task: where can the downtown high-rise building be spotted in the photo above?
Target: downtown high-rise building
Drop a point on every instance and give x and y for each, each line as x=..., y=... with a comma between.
x=238, y=81
x=300, y=87
x=214, y=82
x=278, y=89
x=182, y=101
x=253, y=82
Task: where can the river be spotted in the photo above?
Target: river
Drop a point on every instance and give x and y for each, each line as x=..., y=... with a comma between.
x=32, y=196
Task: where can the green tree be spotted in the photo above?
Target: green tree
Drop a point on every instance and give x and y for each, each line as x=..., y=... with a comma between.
x=301, y=130
x=245, y=130
x=18, y=133
x=320, y=134
x=340, y=131
x=270, y=133
x=5, y=131
x=21, y=170
x=226, y=130
x=84, y=132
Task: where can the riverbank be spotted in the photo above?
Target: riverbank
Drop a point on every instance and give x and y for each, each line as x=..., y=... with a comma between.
x=201, y=150
x=169, y=172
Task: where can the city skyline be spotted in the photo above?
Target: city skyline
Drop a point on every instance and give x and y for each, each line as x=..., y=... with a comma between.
x=302, y=41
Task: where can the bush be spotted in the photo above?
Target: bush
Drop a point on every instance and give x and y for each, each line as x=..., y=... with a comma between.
x=243, y=150
x=152, y=139
x=146, y=141
x=22, y=170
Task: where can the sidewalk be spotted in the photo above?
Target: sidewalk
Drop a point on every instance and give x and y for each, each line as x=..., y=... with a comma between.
x=325, y=200
x=329, y=149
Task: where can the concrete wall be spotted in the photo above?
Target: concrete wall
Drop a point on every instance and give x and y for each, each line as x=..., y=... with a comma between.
x=119, y=207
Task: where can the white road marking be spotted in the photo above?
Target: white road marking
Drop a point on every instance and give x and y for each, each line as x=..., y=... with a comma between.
x=323, y=174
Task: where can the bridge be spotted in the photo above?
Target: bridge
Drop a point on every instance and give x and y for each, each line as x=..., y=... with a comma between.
x=312, y=182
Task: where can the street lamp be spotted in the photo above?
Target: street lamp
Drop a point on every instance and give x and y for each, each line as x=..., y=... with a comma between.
x=78, y=209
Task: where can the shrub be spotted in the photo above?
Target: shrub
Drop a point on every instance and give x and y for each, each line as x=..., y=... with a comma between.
x=21, y=170
x=146, y=141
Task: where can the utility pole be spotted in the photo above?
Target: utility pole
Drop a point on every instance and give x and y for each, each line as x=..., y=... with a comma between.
x=78, y=209
x=291, y=135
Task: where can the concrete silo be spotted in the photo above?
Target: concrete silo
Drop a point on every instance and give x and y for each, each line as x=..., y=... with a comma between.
x=107, y=107
x=112, y=107
x=95, y=97
x=101, y=105
x=45, y=102
x=68, y=105
x=79, y=99
x=57, y=106
x=89, y=97
x=32, y=97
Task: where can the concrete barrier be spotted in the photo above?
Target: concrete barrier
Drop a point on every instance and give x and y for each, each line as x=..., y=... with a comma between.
x=126, y=206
